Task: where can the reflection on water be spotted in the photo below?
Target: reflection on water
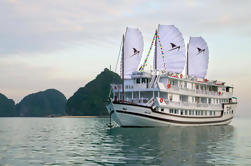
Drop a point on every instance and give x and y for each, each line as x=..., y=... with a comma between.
x=87, y=141
x=173, y=145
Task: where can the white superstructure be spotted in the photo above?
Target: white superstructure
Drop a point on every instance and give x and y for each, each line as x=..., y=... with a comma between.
x=164, y=96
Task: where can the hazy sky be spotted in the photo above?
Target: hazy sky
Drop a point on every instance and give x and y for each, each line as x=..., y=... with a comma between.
x=64, y=44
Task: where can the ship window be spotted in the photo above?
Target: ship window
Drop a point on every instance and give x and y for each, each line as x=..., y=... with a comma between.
x=210, y=112
x=138, y=81
x=185, y=112
x=175, y=111
x=171, y=111
x=201, y=112
x=189, y=112
x=162, y=109
x=198, y=112
x=209, y=100
x=214, y=112
x=205, y=112
x=143, y=80
x=181, y=112
x=214, y=88
x=192, y=112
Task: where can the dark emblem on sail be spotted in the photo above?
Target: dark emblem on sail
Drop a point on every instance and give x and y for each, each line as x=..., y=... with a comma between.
x=174, y=47
x=135, y=51
x=200, y=50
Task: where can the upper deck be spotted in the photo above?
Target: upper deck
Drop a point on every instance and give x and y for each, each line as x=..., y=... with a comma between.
x=175, y=84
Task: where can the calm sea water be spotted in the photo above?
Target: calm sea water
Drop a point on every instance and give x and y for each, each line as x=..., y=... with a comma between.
x=88, y=141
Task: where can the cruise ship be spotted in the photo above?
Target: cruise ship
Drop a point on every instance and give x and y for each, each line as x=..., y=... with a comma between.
x=174, y=90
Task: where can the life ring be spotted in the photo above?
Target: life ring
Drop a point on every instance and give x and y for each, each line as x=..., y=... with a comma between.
x=220, y=93
x=161, y=100
x=181, y=75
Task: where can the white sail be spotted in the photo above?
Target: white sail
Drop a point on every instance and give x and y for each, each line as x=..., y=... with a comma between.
x=198, y=56
x=171, y=52
x=133, y=49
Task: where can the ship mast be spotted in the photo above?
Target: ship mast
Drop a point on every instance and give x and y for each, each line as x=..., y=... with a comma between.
x=123, y=69
x=187, y=72
x=155, y=51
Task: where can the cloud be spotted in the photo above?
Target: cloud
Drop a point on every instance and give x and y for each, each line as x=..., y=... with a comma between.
x=30, y=26
x=46, y=44
x=45, y=26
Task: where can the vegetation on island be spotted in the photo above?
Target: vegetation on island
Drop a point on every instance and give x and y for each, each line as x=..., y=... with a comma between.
x=50, y=102
x=89, y=100
x=7, y=107
x=86, y=101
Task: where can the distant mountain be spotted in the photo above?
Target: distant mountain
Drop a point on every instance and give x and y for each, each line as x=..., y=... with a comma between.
x=89, y=100
x=7, y=107
x=50, y=102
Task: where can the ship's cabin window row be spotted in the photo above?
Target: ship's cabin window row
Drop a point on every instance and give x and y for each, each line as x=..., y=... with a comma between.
x=196, y=112
x=192, y=112
x=186, y=84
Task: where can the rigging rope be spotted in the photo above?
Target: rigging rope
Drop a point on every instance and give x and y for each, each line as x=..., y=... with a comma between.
x=162, y=51
x=147, y=56
x=155, y=37
x=116, y=66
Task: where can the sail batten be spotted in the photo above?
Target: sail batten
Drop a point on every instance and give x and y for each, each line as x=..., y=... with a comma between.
x=198, y=56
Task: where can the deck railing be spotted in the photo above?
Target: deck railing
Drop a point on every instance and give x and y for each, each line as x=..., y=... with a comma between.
x=187, y=91
x=192, y=105
x=180, y=104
